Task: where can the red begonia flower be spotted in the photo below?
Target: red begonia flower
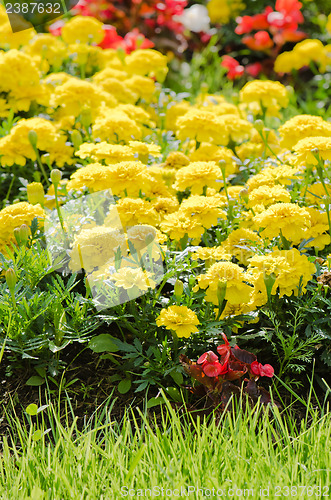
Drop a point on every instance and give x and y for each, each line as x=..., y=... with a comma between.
x=209, y=356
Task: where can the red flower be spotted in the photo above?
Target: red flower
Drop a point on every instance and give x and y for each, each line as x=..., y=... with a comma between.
x=254, y=69
x=211, y=365
x=135, y=40
x=111, y=40
x=260, y=370
x=260, y=41
x=224, y=350
x=209, y=356
x=246, y=24
x=235, y=70
x=214, y=369
x=56, y=28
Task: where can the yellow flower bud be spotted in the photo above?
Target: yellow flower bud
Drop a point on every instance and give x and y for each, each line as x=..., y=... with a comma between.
x=36, y=194
x=24, y=233
x=33, y=138
x=178, y=289
x=76, y=139
x=56, y=176
x=10, y=278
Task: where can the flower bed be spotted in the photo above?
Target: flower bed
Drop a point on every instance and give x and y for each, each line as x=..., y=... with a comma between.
x=153, y=224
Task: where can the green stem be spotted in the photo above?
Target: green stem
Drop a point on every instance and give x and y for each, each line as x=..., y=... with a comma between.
x=41, y=166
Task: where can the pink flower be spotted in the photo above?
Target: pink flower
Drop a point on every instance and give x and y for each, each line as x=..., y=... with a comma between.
x=235, y=70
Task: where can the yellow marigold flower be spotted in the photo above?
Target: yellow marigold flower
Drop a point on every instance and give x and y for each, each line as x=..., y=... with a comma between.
x=130, y=177
x=203, y=210
x=177, y=160
x=102, y=151
x=147, y=62
x=96, y=246
x=14, y=216
x=264, y=94
x=88, y=56
x=287, y=61
x=138, y=114
x=197, y=175
x=288, y=218
x=237, y=290
x=315, y=194
x=144, y=149
x=221, y=11
x=301, y=127
x=242, y=243
x=268, y=195
x=211, y=152
x=116, y=126
x=118, y=89
x=220, y=109
x=311, y=50
x=102, y=75
x=83, y=29
x=270, y=176
x=50, y=47
x=238, y=129
x=10, y=40
x=211, y=254
x=289, y=267
x=75, y=94
x=133, y=211
x=304, y=147
x=318, y=229
x=180, y=319
x=20, y=79
x=165, y=205
x=141, y=235
x=202, y=126
x=174, y=112
x=177, y=225
x=255, y=147
x=134, y=279
x=16, y=147
x=142, y=86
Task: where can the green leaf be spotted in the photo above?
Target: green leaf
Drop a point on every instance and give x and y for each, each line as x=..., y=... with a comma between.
x=35, y=381
x=103, y=342
x=177, y=377
x=174, y=394
x=124, y=386
x=32, y=409
x=155, y=402
x=37, y=435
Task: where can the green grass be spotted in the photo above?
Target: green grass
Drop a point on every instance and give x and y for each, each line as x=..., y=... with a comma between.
x=104, y=459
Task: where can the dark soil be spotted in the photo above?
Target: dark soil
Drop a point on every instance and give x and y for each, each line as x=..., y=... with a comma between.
x=92, y=386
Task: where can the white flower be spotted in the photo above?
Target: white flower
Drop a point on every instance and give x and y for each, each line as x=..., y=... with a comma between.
x=195, y=18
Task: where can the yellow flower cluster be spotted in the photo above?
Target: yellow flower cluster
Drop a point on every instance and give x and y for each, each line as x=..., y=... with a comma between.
x=194, y=174
x=304, y=53
x=14, y=216
x=264, y=95
x=16, y=148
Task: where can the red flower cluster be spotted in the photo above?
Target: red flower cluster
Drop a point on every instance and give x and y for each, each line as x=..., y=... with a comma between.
x=233, y=364
x=235, y=70
x=126, y=15
x=273, y=27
